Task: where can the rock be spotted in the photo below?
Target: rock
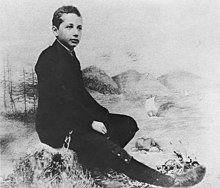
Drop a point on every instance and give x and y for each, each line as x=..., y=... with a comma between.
x=164, y=108
x=97, y=80
x=147, y=144
x=126, y=79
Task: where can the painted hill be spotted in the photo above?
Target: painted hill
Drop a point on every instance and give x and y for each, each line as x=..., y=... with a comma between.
x=97, y=80
x=183, y=82
x=132, y=81
x=126, y=79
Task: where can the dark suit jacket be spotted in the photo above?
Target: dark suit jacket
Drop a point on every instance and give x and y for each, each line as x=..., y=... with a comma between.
x=63, y=104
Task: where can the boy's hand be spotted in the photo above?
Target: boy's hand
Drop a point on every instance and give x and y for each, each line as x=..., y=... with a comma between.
x=99, y=127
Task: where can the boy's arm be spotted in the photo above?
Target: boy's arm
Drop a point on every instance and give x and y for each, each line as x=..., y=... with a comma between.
x=85, y=101
x=95, y=110
x=51, y=80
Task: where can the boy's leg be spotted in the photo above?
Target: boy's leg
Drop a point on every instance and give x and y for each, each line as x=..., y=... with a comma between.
x=95, y=150
x=121, y=129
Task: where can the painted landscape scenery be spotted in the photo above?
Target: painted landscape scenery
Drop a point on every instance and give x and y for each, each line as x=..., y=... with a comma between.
x=156, y=61
x=184, y=122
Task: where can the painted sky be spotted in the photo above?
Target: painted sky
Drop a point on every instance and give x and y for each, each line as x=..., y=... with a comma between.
x=153, y=36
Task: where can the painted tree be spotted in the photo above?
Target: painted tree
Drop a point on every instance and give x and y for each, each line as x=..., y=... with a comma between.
x=21, y=93
x=8, y=88
x=24, y=92
x=27, y=91
x=4, y=90
x=11, y=89
x=31, y=90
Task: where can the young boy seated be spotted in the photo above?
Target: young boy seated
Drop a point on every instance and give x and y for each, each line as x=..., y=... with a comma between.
x=98, y=137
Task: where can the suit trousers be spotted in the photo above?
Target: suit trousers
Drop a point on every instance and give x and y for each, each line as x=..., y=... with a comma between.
x=105, y=151
x=95, y=150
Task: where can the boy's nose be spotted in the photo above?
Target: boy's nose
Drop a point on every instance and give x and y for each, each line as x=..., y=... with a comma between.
x=75, y=33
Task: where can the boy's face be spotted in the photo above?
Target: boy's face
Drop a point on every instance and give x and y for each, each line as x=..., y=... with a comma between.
x=70, y=30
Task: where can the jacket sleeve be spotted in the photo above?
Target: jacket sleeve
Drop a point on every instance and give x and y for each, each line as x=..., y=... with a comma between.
x=51, y=79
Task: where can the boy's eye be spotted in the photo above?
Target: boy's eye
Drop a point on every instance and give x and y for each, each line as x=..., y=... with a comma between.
x=69, y=26
x=79, y=27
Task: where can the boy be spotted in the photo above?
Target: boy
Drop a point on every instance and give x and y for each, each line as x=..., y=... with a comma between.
x=98, y=137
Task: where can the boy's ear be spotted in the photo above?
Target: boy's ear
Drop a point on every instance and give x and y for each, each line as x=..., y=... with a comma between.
x=55, y=30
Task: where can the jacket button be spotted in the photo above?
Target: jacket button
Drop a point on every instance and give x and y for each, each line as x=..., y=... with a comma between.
x=118, y=154
x=126, y=160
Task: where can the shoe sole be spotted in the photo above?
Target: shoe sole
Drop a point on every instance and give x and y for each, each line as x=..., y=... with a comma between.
x=190, y=178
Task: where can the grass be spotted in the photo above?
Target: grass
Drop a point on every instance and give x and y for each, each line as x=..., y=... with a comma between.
x=60, y=169
x=47, y=168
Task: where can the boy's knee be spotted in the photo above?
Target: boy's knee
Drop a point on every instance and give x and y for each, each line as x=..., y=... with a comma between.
x=132, y=124
x=127, y=123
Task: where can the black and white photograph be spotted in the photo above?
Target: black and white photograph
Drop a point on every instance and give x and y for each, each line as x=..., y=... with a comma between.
x=109, y=93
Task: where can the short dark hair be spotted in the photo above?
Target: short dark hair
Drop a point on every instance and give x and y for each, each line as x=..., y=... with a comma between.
x=56, y=21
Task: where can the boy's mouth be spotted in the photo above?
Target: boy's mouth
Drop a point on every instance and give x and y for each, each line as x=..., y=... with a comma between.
x=76, y=41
